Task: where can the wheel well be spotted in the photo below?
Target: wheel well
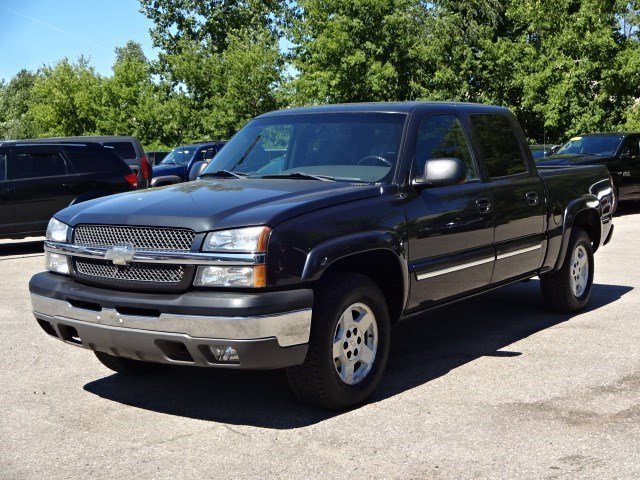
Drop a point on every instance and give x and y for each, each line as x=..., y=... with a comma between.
x=383, y=267
x=590, y=222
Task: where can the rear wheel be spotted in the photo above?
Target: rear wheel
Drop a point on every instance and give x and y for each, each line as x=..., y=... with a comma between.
x=128, y=366
x=569, y=289
x=349, y=343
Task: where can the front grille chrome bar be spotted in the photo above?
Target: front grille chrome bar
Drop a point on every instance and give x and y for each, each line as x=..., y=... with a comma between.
x=149, y=256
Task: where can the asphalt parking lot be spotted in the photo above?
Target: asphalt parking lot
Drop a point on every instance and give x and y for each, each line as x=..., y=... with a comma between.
x=495, y=387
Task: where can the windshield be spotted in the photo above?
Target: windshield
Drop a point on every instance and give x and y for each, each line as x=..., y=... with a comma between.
x=179, y=156
x=343, y=146
x=592, y=144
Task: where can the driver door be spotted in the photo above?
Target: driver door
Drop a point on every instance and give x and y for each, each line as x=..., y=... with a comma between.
x=450, y=229
x=628, y=167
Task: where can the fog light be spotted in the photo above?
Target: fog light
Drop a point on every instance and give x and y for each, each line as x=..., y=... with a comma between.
x=56, y=263
x=224, y=354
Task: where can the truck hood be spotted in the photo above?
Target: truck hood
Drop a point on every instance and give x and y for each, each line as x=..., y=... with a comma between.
x=168, y=169
x=571, y=159
x=208, y=204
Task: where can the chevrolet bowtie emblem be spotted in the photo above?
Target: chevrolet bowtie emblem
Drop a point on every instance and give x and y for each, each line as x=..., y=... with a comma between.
x=120, y=254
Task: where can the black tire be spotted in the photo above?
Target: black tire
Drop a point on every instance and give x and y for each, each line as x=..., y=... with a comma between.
x=557, y=290
x=316, y=381
x=128, y=366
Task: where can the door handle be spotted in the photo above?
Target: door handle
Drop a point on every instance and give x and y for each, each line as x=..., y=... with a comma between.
x=532, y=198
x=484, y=205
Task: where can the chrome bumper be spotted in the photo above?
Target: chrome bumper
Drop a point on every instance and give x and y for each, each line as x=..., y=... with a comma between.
x=289, y=328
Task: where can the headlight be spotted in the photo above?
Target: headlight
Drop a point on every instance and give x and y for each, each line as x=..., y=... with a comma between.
x=57, y=231
x=57, y=263
x=250, y=277
x=251, y=239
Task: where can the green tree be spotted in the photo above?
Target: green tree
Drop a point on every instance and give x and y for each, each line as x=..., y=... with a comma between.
x=179, y=23
x=568, y=52
x=65, y=99
x=356, y=50
x=220, y=58
x=129, y=98
x=248, y=75
x=14, y=106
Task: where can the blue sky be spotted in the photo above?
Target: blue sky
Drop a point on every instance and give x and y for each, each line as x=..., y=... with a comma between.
x=40, y=32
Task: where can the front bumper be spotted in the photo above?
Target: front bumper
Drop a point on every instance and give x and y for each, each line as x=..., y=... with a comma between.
x=268, y=329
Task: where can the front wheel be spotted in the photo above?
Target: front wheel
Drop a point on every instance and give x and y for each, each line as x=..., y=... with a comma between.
x=349, y=343
x=568, y=290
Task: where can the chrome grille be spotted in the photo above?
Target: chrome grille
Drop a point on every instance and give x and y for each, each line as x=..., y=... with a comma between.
x=146, y=238
x=135, y=272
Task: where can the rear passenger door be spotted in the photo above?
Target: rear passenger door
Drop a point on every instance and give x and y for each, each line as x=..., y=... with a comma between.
x=450, y=229
x=6, y=195
x=628, y=166
x=518, y=196
x=39, y=175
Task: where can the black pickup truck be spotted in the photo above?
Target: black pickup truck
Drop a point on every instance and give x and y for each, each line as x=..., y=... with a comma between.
x=619, y=152
x=369, y=214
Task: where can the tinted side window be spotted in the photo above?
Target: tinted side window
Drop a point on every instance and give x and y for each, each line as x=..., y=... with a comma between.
x=94, y=161
x=124, y=150
x=40, y=163
x=631, y=147
x=3, y=167
x=498, y=145
x=442, y=136
x=209, y=153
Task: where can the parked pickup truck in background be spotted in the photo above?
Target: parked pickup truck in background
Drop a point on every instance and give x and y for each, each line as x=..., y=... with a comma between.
x=375, y=213
x=619, y=152
x=184, y=163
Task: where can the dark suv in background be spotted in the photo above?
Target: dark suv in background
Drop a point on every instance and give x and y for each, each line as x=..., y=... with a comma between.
x=184, y=163
x=37, y=179
x=127, y=148
x=619, y=152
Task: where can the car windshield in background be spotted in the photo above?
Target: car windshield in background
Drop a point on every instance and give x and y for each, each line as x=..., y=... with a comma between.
x=537, y=153
x=179, y=156
x=592, y=145
x=356, y=147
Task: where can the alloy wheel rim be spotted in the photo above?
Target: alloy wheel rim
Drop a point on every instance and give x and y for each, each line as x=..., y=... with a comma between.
x=579, y=271
x=355, y=343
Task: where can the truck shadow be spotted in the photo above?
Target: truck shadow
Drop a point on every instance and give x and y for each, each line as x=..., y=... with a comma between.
x=422, y=350
x=627, y=207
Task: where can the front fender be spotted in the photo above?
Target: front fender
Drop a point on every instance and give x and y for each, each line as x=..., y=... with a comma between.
x=323, y=255
x=327, y=253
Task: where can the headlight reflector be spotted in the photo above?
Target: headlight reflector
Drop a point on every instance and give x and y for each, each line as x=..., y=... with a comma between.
x=231, y=277
x=250, y=239
x=57, y=231
x=57, y=263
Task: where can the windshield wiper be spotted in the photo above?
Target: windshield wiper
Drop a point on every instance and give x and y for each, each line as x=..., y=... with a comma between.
x=301, y=175
x=224, y=174
x=248, y=151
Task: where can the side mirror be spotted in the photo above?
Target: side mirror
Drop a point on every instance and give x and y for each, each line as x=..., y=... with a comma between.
x=442, y=172
x=196, y=169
